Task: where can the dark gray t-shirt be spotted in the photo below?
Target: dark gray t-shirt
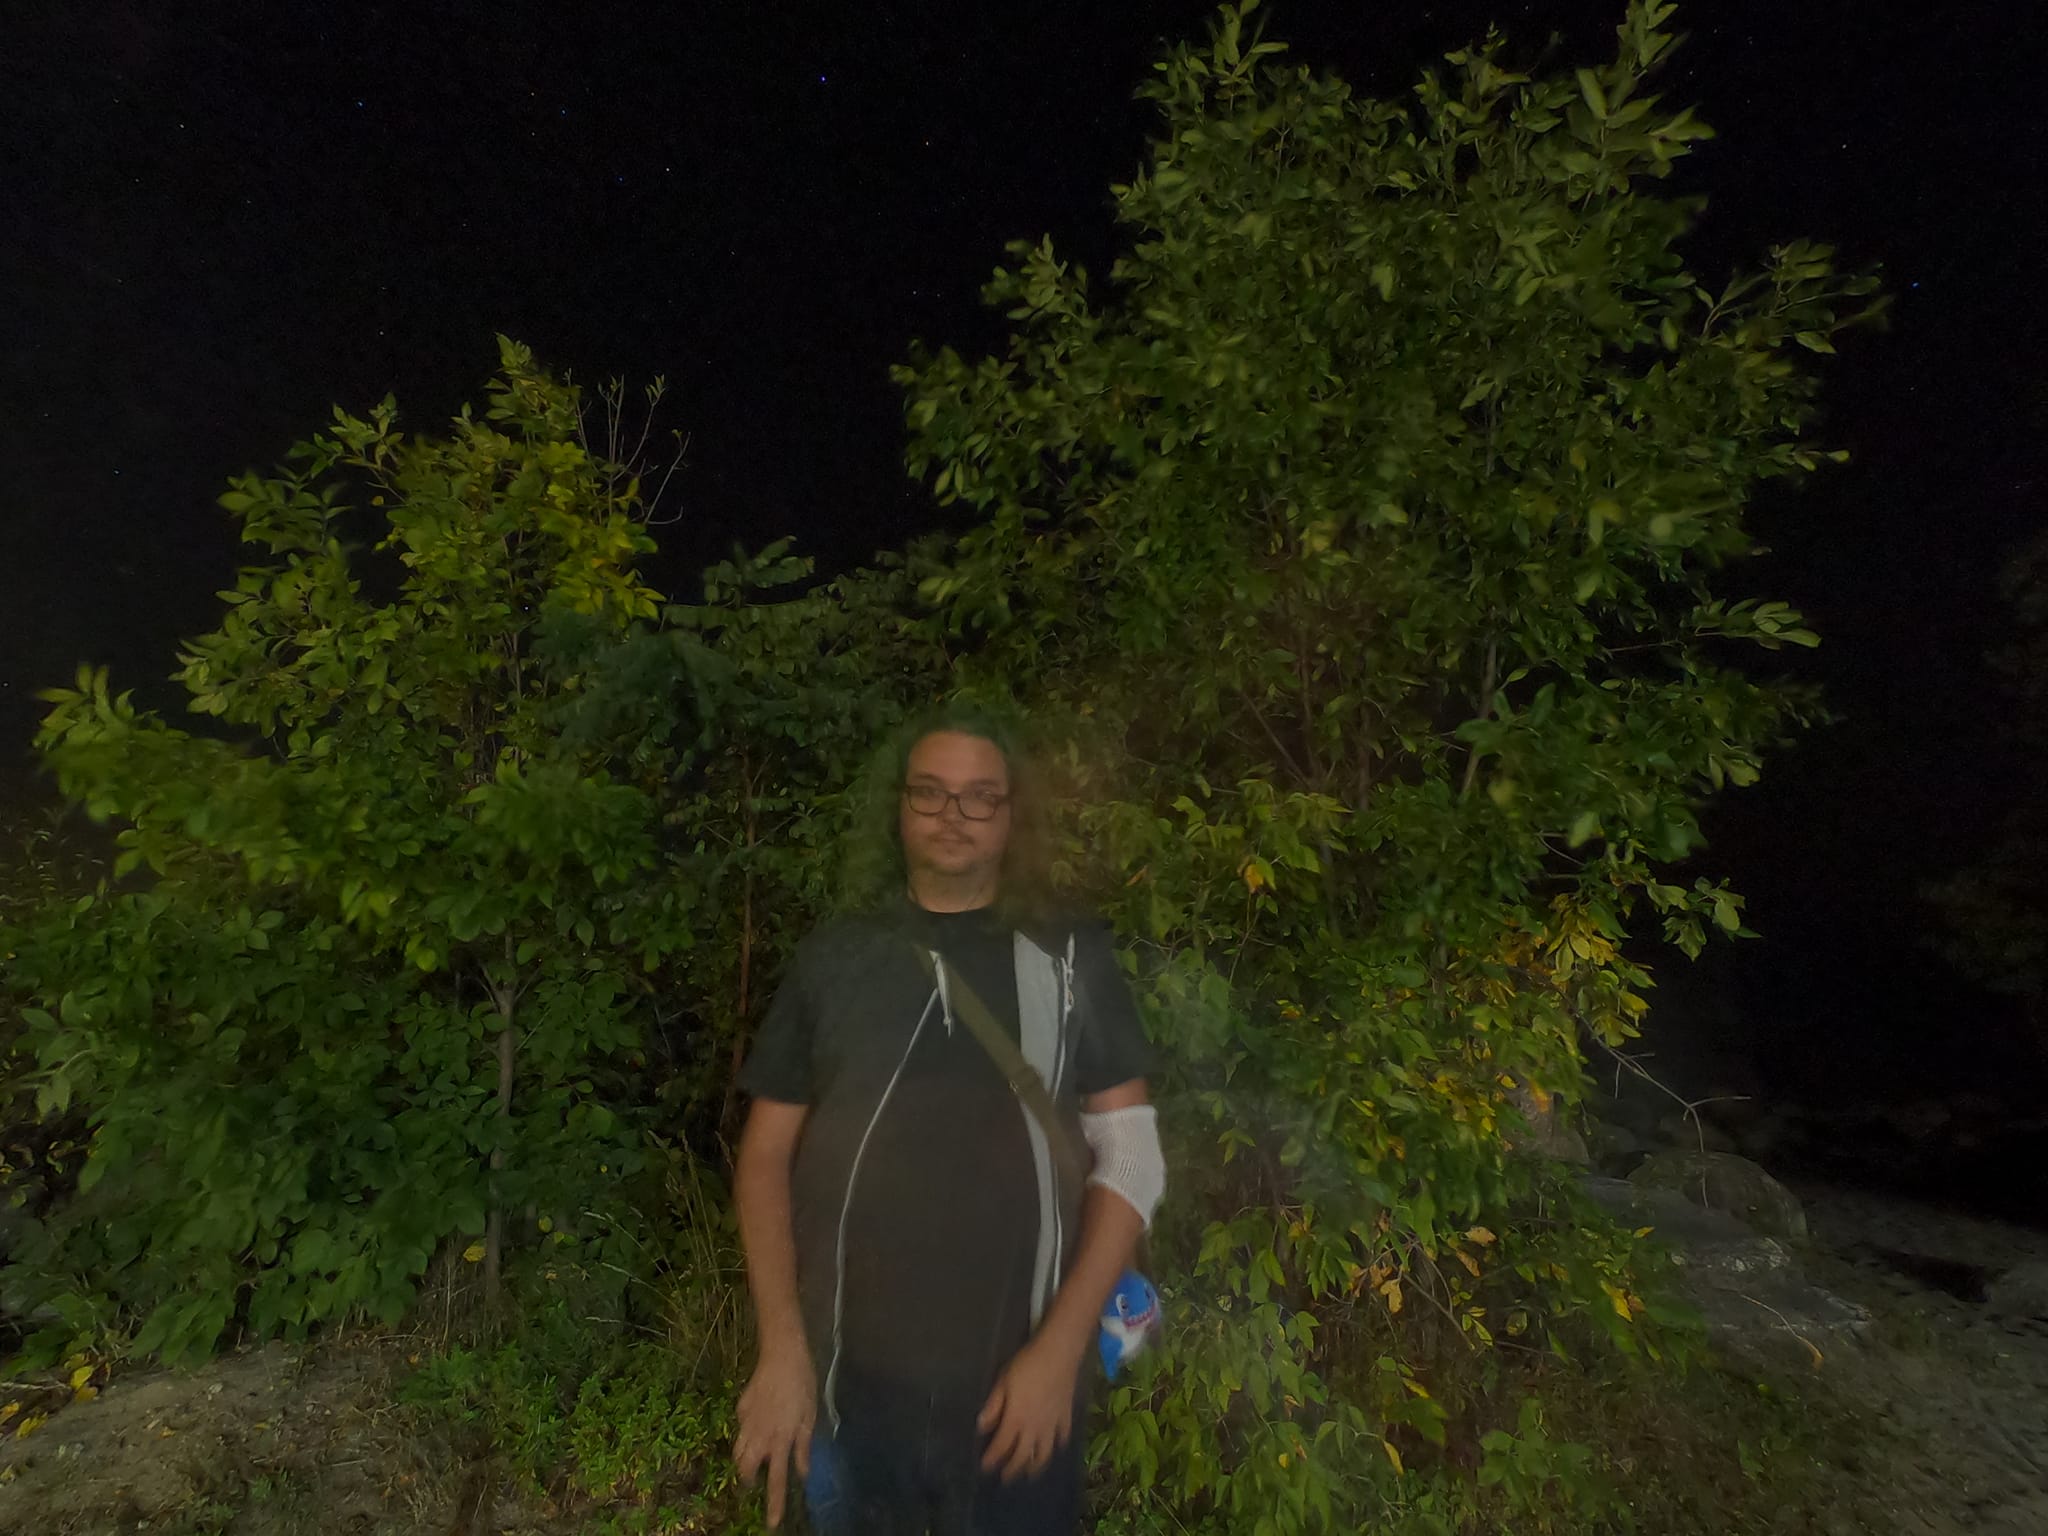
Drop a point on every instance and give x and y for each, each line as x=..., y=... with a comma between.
x=942, y=1223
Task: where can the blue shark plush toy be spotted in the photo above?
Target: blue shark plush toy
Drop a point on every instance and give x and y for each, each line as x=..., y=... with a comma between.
x=1129, y=1319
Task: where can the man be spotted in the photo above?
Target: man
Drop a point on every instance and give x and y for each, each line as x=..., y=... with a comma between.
x=927, y=1282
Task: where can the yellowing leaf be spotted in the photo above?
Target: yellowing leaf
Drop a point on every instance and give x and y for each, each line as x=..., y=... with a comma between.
x=1467, y=1260
x=473, y=1253
x=547, y=1223
x=29, y=1425
x=1479, y=1235
x=1392, y=1292
x=1394, y=1456
x=81, y=1376
x=8, y=1411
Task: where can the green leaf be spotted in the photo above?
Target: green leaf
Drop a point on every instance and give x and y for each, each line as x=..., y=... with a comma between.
x=1595, y=98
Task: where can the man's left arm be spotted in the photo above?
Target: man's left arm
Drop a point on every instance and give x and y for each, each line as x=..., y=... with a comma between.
x=1031, y=1408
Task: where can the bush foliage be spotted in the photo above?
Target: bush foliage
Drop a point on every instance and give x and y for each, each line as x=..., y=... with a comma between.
x=1364, y=554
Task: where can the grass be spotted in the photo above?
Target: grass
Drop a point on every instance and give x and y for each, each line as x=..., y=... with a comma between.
x=610, y=1398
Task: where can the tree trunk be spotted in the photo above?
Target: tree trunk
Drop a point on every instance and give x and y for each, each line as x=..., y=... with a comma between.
x=739, y=1039
x=1483, y=707
x=746, y=977
x=494, y=1224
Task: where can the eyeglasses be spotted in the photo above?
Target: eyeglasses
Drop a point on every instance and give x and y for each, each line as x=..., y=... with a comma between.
x=975, y=804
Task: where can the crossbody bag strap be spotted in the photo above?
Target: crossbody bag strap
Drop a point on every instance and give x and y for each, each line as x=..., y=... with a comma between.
x=1023, y=1078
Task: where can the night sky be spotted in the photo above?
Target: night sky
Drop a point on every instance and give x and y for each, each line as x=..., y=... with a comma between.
x=222, y=219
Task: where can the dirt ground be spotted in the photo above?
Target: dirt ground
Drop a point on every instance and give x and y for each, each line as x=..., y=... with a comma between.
x=1957, y=1397
x=287, y=1441
x=277, y=1441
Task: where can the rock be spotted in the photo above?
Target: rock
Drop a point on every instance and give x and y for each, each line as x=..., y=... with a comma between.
x=1614, y=1149
x=1689, y=1133
x=1616, y=1196
x=1756, y=1305
x=2021, y=1291
x=1923, y=1119
x=1722, y=1181
x=1765, y=1136
x=1704, y=1242
x=1779, y=1320
x=1549, y=1135
x=1734, y=1259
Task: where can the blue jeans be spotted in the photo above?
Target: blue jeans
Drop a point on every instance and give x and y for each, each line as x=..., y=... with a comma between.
x=907, y=1462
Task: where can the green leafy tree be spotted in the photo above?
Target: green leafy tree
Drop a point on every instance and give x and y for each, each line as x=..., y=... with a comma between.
x=750, y=715
x=1366, y=541
x=385, y=979
x=47, y=859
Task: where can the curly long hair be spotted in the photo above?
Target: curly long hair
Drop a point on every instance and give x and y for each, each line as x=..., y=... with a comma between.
x=873, y=870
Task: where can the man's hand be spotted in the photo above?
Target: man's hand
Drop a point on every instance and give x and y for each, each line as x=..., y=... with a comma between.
x=776, y=1415
x=1031, y=1410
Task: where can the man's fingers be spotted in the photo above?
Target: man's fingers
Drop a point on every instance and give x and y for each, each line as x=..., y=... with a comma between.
x=1026, y=1461
x=778, y=1479
x=991, y=1411
x=1028, y=1456
x=803, y=1451
x=1008, y=1436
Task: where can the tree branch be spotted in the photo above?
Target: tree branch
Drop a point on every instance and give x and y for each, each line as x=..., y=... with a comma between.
x=1266, y=725
x=1485, y=709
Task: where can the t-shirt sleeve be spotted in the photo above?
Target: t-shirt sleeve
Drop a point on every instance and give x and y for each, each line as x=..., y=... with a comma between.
x=1112, y=1048
x=778, y=1065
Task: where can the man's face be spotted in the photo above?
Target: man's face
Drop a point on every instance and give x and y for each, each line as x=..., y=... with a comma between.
x=950, y=843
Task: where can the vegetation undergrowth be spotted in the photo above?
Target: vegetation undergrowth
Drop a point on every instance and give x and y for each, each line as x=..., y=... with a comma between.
x=607, y=1389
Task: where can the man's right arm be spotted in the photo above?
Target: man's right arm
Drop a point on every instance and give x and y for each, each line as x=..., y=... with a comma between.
x=766, y=1155
x=779, y=1406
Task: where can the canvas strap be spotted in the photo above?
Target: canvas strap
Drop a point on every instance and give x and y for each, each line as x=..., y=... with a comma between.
x=1075, y=1160
x=1023, y=1078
